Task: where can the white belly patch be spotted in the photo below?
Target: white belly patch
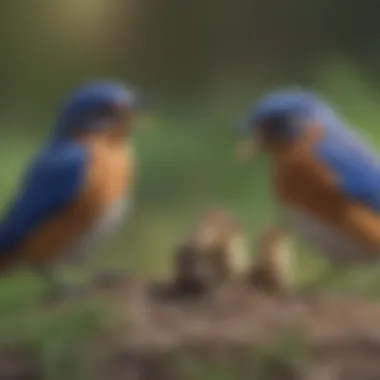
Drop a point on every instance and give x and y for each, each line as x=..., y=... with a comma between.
x=328, y=240
x=100, y=231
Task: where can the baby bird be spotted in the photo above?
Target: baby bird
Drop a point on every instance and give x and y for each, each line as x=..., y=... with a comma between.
x=273, y=270
x=214, y=252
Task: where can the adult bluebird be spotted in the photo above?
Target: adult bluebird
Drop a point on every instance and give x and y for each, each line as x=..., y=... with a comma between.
x=78, y=187
x=325, y=178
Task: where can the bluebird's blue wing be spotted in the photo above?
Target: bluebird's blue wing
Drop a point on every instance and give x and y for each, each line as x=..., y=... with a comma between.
x=355, y=166
x=51, y=183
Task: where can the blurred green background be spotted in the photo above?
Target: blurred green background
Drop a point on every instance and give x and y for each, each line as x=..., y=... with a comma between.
x=201, y=64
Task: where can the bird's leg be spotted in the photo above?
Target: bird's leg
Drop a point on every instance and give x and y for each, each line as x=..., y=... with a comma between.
x=108, y=279
x=98, y=278
x=57, y=290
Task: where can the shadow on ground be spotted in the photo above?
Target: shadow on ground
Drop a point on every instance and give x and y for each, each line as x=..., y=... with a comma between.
x=234, y=333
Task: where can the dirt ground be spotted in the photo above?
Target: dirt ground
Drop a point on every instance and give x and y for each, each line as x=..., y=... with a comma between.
x=155, y=335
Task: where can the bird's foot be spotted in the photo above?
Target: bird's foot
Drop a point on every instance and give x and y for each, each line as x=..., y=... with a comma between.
x=61, y=293
x=108, y=279
x=58, y=291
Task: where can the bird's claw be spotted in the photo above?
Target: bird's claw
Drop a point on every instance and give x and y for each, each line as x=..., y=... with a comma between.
x=62, y=293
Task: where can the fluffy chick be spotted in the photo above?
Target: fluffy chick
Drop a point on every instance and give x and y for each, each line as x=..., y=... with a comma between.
x=214, y=252
x=273, y=270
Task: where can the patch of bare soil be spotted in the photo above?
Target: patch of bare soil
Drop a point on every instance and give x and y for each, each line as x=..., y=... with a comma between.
x=161, y=336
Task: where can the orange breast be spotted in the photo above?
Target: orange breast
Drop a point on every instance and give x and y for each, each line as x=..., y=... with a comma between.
x=307, y=185
x=109, y=179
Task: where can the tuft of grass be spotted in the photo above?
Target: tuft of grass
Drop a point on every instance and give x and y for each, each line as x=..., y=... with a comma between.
x=283, y=359
x=55, y=334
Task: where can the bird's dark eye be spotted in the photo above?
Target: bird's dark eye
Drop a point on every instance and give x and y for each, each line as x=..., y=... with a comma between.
x=103, y=112
x=275, y=123
x=276, y=127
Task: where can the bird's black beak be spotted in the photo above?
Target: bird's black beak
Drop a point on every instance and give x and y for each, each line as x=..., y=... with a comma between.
x=249, y=144
x=247, y=149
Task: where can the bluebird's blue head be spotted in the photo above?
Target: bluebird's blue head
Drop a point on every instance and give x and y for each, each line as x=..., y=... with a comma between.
x=283, y=116
x=95, y=107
